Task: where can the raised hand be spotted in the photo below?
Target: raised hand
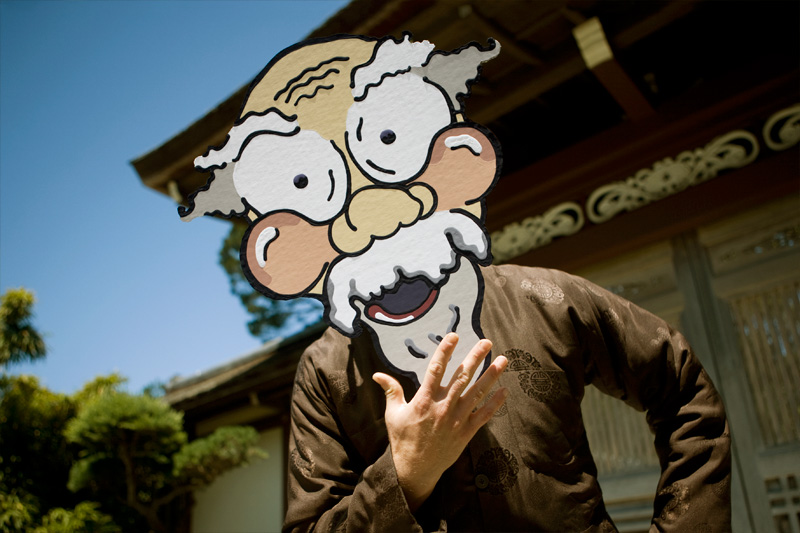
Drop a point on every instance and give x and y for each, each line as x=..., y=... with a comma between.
x=428, y=433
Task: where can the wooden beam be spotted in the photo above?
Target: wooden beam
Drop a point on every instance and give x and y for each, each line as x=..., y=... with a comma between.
x=509, y=42
x=388, y=11
x=526, y=89
x=671, y=12
x=569, y=66
x=599, y=58
x=623, y=90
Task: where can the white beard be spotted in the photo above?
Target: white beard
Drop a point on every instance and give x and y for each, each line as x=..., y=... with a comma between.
x=422, y=252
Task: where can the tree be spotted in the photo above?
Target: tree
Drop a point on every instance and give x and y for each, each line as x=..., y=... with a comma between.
x=133, y=448
x=270, y=317
x=35, y=458
x=19, y=340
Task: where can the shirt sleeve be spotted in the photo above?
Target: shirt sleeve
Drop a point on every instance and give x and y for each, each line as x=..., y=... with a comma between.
x=330, y=489
x=637, y=357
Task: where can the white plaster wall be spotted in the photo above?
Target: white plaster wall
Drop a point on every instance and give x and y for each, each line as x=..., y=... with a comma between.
x=245, y=500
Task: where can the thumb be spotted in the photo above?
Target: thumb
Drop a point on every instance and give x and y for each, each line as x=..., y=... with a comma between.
x=392, y=388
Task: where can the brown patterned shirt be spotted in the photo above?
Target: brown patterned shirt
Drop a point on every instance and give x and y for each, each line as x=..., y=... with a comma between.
x=529, y=468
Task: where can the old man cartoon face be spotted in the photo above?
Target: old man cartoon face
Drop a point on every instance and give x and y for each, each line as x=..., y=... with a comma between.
x=365, y=188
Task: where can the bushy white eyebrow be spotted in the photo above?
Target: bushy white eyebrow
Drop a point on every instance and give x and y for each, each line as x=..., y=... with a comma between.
x=269, y=122
x=390, y=58
x=220, y=194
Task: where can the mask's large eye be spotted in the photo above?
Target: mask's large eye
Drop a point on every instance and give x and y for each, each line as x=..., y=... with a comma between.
x=390, y=132
x=302, y=173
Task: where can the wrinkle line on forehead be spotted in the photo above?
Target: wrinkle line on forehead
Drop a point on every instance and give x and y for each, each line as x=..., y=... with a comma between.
x=308, y=70
x=317, y=89
x=309, y=81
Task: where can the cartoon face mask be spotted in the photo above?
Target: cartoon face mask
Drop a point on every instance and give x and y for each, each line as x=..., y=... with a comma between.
x=364, y=187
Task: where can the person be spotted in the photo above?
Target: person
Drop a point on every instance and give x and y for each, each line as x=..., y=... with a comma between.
x=440, y=460
x=365, y=187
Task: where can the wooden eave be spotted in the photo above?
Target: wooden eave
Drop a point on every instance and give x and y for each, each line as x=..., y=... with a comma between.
x=563, y=132
x=264, y=376
x=541, y=57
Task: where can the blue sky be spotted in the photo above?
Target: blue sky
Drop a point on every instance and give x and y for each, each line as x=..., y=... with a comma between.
x=122, y=284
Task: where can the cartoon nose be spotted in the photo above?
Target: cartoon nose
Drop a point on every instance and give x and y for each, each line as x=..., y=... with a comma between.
x=377, y=212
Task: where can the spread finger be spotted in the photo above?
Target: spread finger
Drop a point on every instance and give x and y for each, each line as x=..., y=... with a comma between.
x=463, y=376
x=485, y=383
x=438, y=364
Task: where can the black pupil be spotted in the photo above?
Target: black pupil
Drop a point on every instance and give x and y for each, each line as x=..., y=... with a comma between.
x=388, y=136
x=300, y=181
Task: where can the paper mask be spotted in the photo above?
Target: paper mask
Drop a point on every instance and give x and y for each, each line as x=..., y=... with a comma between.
x=364, y=186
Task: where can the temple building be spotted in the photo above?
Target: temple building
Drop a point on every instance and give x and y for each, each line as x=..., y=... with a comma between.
x=651, y=147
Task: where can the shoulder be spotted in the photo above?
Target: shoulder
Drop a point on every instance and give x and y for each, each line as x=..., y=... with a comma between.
x=540, y=295
x=319, y=361
x=335, y=367
x=331, y=346
x=545, y=283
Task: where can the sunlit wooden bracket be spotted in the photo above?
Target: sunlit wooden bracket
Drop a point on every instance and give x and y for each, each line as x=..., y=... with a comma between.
x=599, y=58
x=174, y=191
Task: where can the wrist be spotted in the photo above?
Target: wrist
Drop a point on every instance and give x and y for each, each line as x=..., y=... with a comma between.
x=417, y=483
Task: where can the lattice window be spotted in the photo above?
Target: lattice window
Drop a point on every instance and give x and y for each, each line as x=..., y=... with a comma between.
x=784, y=500
x=769, y=330
x=618, y=434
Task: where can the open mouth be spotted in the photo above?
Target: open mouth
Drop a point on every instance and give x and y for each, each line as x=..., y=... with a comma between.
x=405, y=302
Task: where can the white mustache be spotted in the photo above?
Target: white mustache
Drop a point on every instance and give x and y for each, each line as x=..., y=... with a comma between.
x=423, y=249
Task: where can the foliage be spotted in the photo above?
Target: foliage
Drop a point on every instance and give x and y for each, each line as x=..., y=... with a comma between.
x=85, y=517
x=201, y=461
x=135, y=450
x=122, y=434
x=130, y=450
x=17, y=510
x=98, y=386
x=34, y=456
x=155, y=389
x=269, y=317
x=19, y=340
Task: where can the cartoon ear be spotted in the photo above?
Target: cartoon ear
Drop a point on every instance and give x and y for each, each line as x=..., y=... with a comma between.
x=283, y=256
x=462, y=168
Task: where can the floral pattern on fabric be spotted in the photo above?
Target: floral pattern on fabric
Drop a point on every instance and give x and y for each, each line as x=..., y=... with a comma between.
x=662, y=335
x=537, y=383
x=503, y=411
x=500, y=467
x=542, y=291
x=303, y=460
x=340, y=386
x=677, y=504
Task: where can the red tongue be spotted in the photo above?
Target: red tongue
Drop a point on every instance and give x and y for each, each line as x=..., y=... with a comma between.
x=374, y=309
